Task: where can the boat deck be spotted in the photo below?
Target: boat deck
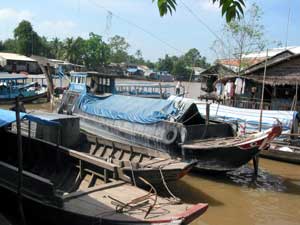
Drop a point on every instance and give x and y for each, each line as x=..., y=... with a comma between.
x=103, y=203
x=213, y=143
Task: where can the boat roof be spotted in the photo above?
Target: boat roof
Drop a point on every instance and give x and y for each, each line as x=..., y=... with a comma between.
x=8, y=117
x=16, y=57
x=12, y=76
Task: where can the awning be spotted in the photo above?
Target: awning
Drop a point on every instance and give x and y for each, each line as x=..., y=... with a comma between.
x=8, y=117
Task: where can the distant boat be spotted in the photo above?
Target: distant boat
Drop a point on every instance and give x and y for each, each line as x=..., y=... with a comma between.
x=13, y=85
x=146, y=90
x=61, y=186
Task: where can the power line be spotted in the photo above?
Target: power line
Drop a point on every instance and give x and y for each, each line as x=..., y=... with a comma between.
x=201, y=21
x=137, y=26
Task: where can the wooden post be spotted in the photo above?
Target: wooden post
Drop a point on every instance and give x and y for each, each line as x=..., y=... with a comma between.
x=160, y=90
x=20, y=161
x=207, y=113
x=58, y=143
x=262, y=94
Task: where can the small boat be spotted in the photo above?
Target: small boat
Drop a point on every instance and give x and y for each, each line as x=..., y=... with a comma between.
x=146, y=90
x=62, y=186
x=13, y=85
x=282, y=151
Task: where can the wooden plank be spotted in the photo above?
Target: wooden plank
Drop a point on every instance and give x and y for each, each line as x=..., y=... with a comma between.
x=90, y=159
x=92, y=189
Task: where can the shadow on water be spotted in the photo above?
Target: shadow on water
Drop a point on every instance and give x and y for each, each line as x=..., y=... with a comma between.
x=244, y=177
x=188, y=193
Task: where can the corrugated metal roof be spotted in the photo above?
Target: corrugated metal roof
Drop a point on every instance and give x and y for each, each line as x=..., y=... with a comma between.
x=14, y=56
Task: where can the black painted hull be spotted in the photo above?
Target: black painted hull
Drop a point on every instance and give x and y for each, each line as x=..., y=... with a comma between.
x=221, y=159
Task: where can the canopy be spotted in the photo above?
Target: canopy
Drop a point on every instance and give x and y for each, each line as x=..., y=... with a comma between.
x=8, y=117
x=132, y=109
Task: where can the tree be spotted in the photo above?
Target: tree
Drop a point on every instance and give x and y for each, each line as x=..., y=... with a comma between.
x=232, y=9
x=10, y=45
x=118, y=46
x=25, y=35
x=241, y=37
x=97, y=52
x=180, y=70
x=193, y=58
x=165, y=64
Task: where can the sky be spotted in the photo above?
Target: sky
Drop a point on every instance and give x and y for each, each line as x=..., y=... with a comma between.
x=139, y=22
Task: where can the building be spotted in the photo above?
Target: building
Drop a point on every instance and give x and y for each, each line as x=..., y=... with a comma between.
x=16, y=63
x=213, y=73
x=282, y=79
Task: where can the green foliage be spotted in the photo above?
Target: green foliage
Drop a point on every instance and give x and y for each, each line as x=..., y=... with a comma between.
x=94, y=52
x=119, y=47
x=241, y=37
x=231, y=9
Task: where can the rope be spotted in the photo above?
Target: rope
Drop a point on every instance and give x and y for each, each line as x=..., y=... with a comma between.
x=132, y=173
x=177, y=200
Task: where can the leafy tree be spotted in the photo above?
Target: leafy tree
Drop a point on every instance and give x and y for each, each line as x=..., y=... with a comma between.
x=180, y=70
x=194, y=58
x=165, y=64
x=97, y=52
x=1, y=46
x=119, y=47
x=25, y=36
x=10, y=45
x=232, y=9
x=240, y=37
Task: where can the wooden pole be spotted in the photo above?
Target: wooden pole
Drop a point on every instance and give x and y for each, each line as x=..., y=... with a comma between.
x=262, y=94
x=160, y=90
x=207, y=113
x=20, y=161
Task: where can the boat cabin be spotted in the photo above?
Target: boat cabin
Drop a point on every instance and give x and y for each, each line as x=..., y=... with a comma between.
x=93, y=82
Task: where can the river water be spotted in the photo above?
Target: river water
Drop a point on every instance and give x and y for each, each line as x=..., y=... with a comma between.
x=237, y=198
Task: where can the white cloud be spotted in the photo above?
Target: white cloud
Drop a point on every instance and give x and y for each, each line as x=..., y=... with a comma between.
x=59, y=28
x=207, y=5
x=13, y=15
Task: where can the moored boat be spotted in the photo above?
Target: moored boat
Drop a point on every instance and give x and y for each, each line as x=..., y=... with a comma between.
x=163, y=125
x=62, y=186
x=13, y=85
x=282, y=151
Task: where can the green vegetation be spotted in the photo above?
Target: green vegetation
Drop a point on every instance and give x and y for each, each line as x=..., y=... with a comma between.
x=240, y=37
x=94, y=52
x=231, y=9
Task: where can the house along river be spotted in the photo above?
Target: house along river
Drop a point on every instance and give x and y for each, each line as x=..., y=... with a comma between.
x=237, y=198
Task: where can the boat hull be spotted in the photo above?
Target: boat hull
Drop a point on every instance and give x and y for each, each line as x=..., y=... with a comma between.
x=221, y=159
x=289, y=157
x=6, y=101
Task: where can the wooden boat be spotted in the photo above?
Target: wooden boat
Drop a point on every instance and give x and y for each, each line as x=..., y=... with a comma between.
x=136, y=161
x=145, y=90
x=132, y=160
x=282, y=151
x=13, y=85
x=168, y=126
x=62, y=186
x=178, y=132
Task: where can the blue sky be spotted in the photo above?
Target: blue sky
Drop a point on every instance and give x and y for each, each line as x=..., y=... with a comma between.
x=64, y=18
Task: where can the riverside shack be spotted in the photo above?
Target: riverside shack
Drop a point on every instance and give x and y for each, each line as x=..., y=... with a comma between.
x=281, y=89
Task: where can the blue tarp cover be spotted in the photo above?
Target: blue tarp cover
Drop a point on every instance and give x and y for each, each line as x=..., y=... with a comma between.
x=7, y=117
x=133, y=109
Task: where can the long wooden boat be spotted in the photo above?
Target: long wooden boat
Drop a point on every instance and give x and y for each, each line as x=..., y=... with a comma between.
x=62, y=186
x=134, y=161
x=282, y=152
x=159, y=125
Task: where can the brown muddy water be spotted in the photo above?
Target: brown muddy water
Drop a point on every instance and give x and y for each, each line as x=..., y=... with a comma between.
x=236, y=198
